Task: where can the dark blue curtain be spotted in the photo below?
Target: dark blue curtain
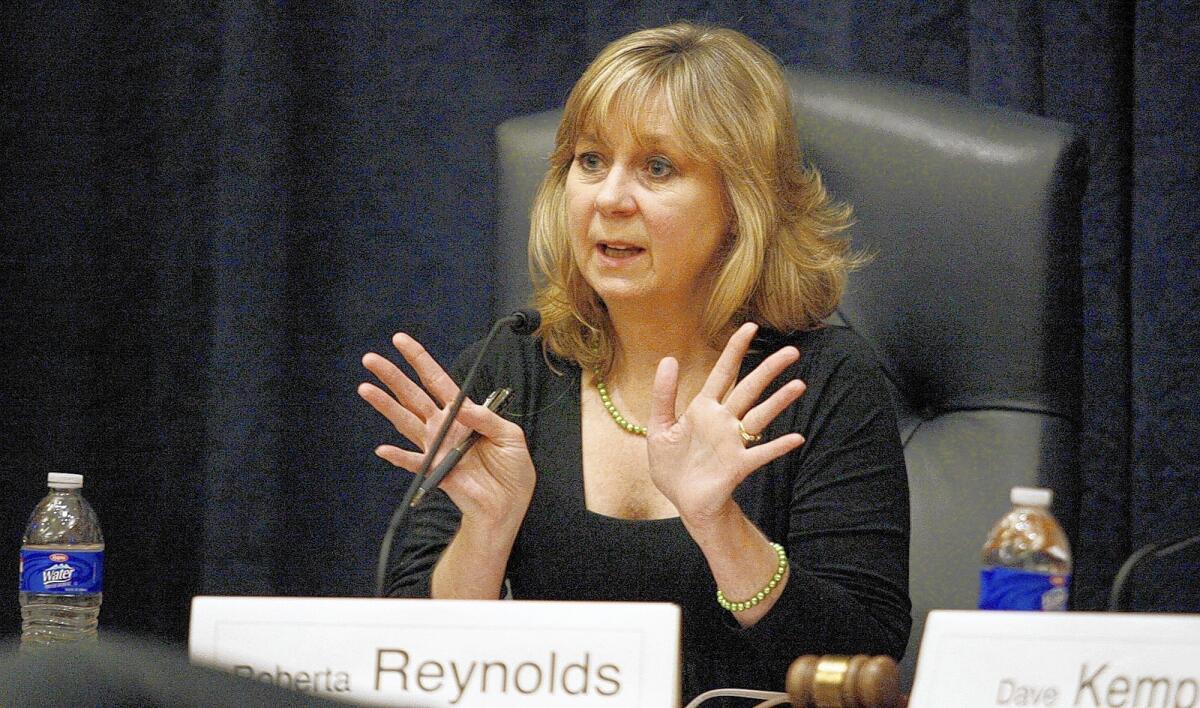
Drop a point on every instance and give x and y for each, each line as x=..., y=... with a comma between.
x=211, y=210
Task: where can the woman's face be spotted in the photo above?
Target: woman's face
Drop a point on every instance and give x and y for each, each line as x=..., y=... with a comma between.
x=646, y=222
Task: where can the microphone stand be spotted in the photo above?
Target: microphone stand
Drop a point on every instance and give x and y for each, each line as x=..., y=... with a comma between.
x=1116, y=599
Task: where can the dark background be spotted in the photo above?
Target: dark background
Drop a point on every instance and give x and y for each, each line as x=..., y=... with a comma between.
x=210, y=211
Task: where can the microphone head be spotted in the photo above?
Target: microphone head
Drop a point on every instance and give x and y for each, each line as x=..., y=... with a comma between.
x=525, y=320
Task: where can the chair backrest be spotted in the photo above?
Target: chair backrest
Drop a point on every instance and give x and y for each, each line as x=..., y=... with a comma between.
x=971, y=303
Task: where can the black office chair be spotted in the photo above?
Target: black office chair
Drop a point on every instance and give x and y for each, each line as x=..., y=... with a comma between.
x=971, y=303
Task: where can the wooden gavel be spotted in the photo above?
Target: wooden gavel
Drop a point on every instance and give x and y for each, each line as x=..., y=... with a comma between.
x=845, y=682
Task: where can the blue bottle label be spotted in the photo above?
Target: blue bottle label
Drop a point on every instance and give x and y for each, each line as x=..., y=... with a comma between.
x=62, y=571
x=1010, y=589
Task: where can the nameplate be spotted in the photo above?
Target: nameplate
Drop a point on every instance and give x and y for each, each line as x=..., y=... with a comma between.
x=459, y=653
x=1077, y=659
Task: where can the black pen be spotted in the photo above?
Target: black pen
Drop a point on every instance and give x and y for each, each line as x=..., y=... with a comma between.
x=494, y=403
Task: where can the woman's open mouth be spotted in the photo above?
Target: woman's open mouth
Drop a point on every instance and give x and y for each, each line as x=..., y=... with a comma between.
x=619, y=251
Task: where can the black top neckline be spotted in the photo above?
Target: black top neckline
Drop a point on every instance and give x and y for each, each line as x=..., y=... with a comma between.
x=764, y=339
x=574, y=423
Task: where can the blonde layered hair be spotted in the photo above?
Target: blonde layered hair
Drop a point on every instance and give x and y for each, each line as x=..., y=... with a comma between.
x=783, y=265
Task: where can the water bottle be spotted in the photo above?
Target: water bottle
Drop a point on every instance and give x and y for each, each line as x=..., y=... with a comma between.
x=62, y=566
x=1027, y=559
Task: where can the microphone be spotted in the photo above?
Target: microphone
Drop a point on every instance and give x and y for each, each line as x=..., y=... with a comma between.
x=1116, y=599
x=524, y=321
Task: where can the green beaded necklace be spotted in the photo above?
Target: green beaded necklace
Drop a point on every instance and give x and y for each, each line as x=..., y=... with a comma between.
x=612, y=409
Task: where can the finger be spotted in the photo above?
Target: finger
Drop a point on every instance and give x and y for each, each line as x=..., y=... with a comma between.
x=662, y=396
x=759, y=417
x=436, y=380
x=489, y=424
x=749, y=389
x=410, y=395
x=725, y=372
x=399, y=457
x=403, y=420
x=759, y=455
x=415, y=461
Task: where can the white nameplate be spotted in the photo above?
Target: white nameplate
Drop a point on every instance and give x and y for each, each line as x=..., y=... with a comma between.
x=446, y=652
x=1077, y=659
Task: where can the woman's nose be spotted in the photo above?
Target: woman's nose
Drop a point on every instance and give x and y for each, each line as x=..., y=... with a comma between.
x=615, y=196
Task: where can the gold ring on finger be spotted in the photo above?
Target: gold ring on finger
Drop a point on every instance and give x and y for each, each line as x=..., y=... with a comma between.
x=748, y=439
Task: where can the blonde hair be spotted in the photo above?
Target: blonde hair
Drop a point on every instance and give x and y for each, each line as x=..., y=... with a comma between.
x=784, y=265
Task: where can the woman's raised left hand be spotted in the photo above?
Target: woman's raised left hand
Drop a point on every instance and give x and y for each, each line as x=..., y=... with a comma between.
x=699, y=458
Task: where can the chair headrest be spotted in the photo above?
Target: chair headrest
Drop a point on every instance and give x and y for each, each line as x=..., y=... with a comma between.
x=972, y=214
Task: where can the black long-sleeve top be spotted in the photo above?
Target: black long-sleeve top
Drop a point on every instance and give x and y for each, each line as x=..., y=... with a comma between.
x=839, y=504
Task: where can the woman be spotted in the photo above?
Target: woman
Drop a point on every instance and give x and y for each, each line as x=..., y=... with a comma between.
x=683, y=428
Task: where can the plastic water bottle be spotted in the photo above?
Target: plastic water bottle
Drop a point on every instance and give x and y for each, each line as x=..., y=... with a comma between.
x=62, y=566
x=1027, y=558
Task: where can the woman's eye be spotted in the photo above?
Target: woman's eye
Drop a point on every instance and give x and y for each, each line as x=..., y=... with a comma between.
x=589, y=161
x=658, y=167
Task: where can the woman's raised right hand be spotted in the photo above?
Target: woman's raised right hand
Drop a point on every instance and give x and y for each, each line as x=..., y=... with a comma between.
x=493, y=483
